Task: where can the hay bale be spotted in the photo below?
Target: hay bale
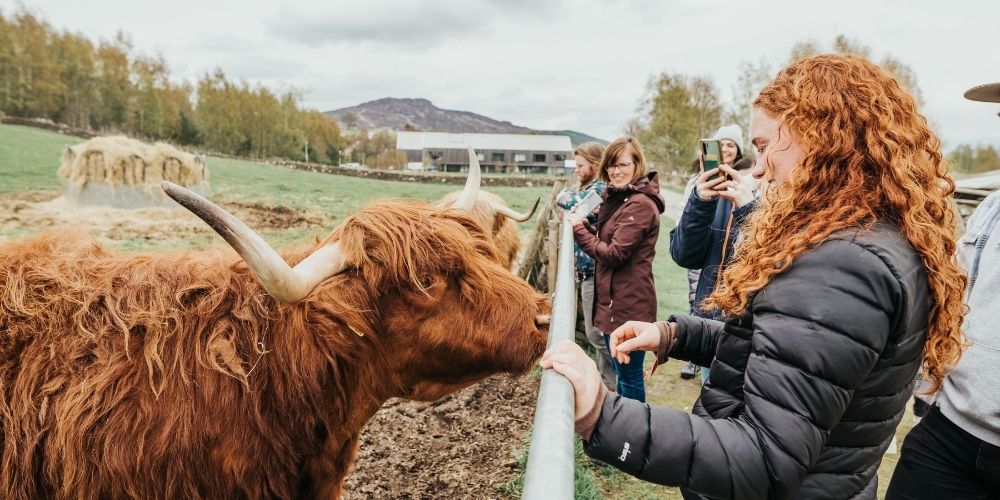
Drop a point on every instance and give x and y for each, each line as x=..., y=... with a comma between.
x=126, y=173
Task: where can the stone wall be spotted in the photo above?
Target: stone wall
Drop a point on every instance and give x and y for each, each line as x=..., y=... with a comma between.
x=511, y=180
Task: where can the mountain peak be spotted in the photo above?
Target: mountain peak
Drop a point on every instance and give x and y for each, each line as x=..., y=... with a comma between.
x=399, y=113
x=400, y=101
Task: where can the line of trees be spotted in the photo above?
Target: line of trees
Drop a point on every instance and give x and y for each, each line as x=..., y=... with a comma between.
x=375, y=150
x=109, y=87
x=974, y=159
x=677, y=109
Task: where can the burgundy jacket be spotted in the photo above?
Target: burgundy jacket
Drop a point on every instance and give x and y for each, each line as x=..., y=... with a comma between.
x=623, y=248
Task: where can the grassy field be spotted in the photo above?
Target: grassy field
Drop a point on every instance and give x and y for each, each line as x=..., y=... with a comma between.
x=29, y=159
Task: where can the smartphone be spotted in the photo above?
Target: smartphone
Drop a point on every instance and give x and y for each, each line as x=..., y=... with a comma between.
x=711, y=156
x=588, y=204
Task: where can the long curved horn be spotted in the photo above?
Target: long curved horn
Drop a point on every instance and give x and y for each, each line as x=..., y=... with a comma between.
x=510, y=213
x=467, y=199
x=286, y=284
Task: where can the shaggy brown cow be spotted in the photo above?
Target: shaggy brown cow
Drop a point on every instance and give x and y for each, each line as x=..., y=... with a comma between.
x=489, y=210
x=202, y=375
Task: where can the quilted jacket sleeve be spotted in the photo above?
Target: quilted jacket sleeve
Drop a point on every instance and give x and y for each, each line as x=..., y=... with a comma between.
x=696, y=339
x=819, y=328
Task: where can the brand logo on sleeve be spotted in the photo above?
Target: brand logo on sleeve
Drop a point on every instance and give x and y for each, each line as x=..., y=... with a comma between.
x=625, y=452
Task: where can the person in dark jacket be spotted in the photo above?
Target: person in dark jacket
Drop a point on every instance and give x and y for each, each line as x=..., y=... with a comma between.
x=843, y=287
x=706, y=231
x=623, y=245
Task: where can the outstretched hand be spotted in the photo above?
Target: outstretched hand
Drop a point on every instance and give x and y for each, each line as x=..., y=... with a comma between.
x=633, y=336
x=570, y=361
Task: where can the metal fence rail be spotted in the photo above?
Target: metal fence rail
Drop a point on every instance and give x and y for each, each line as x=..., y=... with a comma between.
x=549, y=472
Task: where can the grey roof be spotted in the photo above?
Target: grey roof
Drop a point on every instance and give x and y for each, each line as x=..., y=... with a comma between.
x=507, y=142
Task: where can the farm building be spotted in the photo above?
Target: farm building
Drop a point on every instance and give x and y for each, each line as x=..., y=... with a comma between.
x=498, y=153
x=971, y=190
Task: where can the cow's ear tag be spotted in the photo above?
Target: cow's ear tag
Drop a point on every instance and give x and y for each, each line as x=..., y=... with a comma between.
x=355, y=330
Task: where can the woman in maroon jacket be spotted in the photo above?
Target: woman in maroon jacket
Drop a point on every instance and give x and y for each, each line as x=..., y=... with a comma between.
x=623, y=245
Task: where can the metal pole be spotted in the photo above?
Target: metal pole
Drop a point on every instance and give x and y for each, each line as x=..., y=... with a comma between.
x=550, y=466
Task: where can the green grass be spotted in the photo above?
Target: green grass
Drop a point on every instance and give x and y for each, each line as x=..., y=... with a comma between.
x=271, y=185
x=29, y=158
x=586, y=485
x=29, y=161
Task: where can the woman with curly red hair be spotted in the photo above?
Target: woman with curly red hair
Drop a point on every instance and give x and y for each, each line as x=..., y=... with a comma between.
x=842, y=288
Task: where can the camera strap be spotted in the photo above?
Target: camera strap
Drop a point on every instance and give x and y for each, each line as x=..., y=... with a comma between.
x=725, y=246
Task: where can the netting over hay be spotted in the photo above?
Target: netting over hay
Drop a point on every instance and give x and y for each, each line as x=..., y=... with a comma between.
x=126, y=173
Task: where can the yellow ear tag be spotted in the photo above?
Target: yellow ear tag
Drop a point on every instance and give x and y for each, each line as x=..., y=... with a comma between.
x=355, y=330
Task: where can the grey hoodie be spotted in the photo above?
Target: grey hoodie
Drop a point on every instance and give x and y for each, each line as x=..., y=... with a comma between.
x=970, y=396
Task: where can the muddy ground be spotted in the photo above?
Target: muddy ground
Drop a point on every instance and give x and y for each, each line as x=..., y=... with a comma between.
x=32, y=211
x=462, y=446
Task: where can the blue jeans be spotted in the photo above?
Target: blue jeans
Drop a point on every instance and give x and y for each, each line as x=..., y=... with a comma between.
x=630, y=382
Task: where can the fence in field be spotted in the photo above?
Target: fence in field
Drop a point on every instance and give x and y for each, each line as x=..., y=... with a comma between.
x=549, y=473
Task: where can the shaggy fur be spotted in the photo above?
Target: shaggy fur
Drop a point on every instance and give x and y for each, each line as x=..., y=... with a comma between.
x=504, y=230
x=177, y=376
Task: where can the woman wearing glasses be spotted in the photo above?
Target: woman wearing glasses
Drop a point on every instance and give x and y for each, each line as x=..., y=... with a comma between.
x=623, y=244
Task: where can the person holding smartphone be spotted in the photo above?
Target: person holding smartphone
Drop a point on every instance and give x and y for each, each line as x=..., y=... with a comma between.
x=844, y=287
x=588, y=161
x=706, y=231
x=623, y=244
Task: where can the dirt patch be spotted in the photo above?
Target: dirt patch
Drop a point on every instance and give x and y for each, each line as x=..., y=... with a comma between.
x=28, y=212
x=276, y=217
x=461, y=446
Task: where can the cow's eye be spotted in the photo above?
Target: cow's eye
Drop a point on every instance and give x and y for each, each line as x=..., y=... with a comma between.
x=426, y=282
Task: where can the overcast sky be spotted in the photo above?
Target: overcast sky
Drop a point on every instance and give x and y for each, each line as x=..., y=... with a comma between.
x=580, y=65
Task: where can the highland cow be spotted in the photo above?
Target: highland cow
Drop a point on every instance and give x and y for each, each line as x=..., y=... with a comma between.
x=490, y=210
x=200, y=375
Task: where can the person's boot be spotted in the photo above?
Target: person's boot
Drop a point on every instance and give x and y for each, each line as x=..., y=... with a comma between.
x=689, y=371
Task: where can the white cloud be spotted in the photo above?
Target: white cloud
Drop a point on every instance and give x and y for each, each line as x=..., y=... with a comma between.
x=578, y=65
x=413, y=25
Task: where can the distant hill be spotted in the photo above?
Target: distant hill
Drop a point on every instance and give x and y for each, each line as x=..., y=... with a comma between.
x=420, y=114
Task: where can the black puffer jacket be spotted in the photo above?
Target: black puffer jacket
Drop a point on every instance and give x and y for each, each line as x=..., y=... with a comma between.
x=806, y=390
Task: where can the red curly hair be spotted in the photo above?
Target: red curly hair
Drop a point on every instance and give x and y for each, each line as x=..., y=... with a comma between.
x=870, y=156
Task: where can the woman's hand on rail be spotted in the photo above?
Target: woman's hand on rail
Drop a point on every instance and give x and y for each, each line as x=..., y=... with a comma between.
x=569, y=360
